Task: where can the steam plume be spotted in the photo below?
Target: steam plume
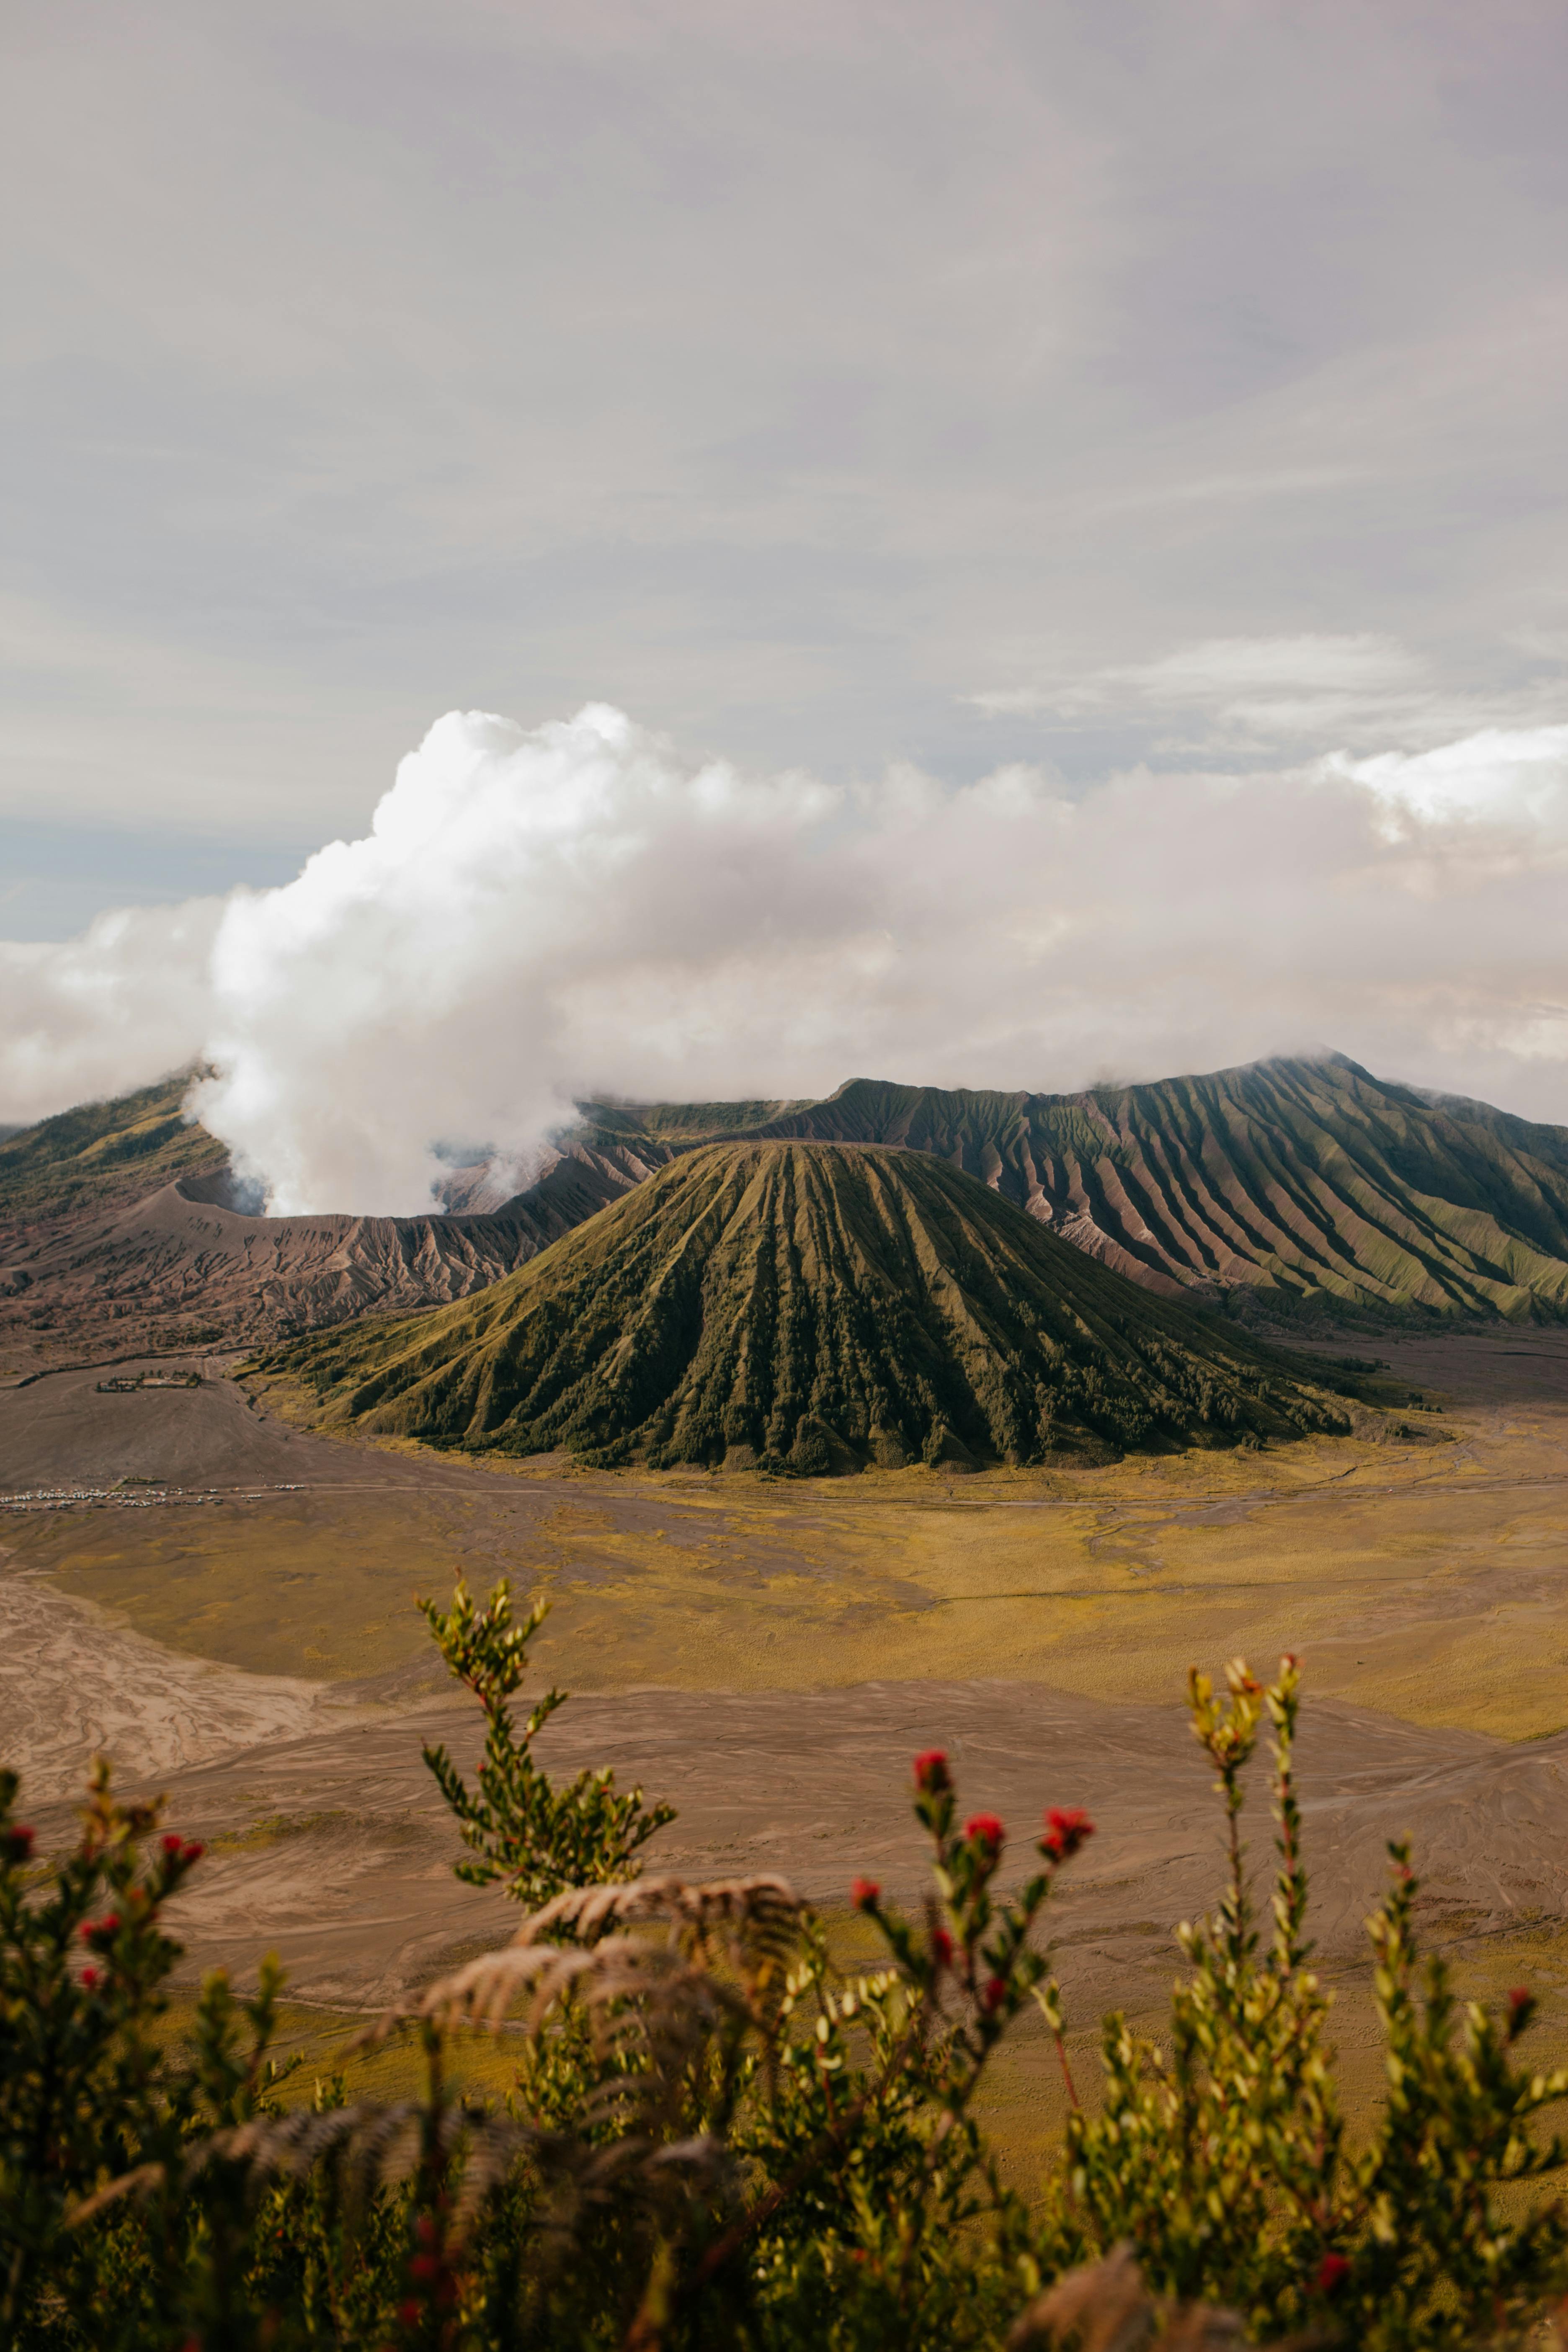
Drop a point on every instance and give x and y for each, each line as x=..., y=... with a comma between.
x=535, y=918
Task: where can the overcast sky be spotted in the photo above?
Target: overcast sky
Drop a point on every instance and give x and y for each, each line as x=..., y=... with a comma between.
x=823, y=385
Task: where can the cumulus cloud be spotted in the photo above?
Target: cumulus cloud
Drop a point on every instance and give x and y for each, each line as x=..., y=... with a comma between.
x=535, y=918
x=1516, y=779
x=126, y=1002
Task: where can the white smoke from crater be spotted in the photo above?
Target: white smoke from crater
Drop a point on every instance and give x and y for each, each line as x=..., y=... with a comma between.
x=507, y=935
x=533, y=919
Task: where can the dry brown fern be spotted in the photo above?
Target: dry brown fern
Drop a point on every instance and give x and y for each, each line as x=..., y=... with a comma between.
x=760, y=1907
x=1105, y=2307
x=655, y=2010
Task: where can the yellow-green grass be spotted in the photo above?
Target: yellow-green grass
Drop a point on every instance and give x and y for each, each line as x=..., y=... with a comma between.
x=319, y=1585
x=1424, y=1580
x=328, y=2043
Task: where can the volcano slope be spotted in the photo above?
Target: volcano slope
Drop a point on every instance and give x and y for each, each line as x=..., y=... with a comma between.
x=1298, y=1182
x=812, y=1308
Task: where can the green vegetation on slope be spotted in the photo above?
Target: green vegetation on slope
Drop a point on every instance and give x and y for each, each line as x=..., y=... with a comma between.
x=679, y=1123
x=813, y=1307
x=102, y=1153
x=1302, y=1183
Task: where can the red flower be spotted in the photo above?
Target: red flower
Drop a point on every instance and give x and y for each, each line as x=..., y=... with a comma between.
x=1066, y=1831
x=16, y=1845
x=932, y=1775
x=863, y=1892
x=408, y=2313
x=941, y=1945
x=1521, y=2009
x=101, y=1931
x=1333, y=2273
x=192, y=1853
x=424, y=2266
x=424, y=2230
x=89, y=1979
x=993, y=1994
x=170, y=1841
x=984, y=1829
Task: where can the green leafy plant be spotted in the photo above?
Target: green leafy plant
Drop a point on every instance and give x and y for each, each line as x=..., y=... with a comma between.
x=527, y=1835
x=1224, y=2161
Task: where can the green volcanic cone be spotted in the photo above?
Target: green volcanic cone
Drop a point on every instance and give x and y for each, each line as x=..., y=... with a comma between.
x=816, y=1307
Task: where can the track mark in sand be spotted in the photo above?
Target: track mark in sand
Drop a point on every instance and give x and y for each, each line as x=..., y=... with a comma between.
x=74, y=1684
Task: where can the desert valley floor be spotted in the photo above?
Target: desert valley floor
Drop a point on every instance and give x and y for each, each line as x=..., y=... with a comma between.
x=193, y=1581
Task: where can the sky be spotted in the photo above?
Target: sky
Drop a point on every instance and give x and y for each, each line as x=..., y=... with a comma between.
x=1152, y=412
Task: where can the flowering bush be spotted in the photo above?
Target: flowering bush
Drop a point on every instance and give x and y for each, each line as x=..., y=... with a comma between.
x=86, y=2096
x=717, y=2136
x=1223, y=2160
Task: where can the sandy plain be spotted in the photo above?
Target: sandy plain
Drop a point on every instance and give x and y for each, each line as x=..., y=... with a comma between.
x=235, y=1625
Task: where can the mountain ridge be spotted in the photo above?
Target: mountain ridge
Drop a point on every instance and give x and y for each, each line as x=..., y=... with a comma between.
x=1298, y=1182
x=1297, y=1190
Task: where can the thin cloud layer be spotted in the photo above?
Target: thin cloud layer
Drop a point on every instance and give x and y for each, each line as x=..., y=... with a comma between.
x=536, y=917
x=1231, y=695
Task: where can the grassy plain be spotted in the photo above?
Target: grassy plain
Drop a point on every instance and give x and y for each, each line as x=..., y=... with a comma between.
x=1427, y=1580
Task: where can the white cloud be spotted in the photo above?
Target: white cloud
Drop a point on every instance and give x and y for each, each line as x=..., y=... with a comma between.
x=1517, y=779
x=1230, y=691
x=535, y=917
x=1228, y=666
x=127, y=1002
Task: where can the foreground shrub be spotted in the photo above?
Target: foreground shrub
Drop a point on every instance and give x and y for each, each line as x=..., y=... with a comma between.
x=718, y=2137
x=1222, y=2160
